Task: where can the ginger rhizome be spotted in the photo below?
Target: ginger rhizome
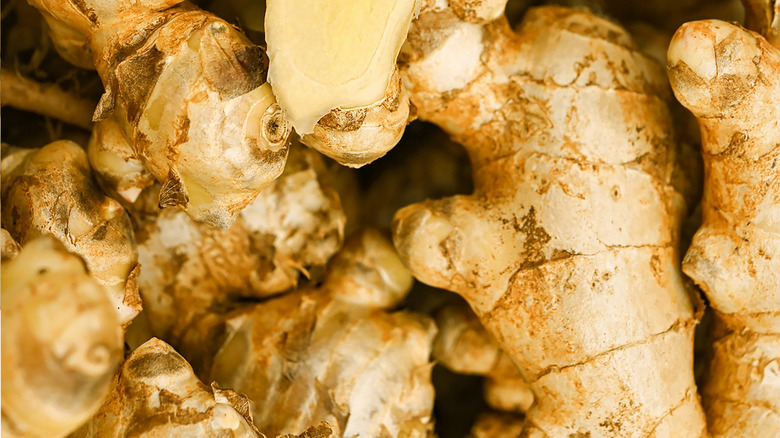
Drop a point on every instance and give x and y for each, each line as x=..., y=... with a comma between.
x=156, y=394
x=61, y=338
x=116, y=167
x=51, y=191
x=332, y=66
x=729, y=78
x=567, y=249
x=465, y=347
x=189, y=94
x=335, y=353
x=191, y=269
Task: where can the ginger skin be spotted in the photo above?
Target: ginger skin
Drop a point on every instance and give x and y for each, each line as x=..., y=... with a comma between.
x=188, y=91
x=571, y=233
x=729, y=78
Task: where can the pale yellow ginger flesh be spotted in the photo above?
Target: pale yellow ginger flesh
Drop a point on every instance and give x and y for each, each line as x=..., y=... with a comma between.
x=189, y=94
x=335, y=354
x=729, y=78
x=328, y=54
x=294, y=226
x=156, y=395
x=567, y=249
x=61, y=339
x=51, y=191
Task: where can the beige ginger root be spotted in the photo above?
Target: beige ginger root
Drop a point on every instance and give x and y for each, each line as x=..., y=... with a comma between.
x=567, y=250
x=61, y=342
x=497, y=425
x=156, y=394
x=729, y=78
x=464, y=346
x=51, y=191
x=188, y=91
x=191, y=269
x=116, y=167
x=332, y=67
x=336, y=354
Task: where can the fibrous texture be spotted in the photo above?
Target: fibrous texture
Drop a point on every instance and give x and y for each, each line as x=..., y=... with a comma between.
x=156, y=394
x=332, y=66
x=61, y=342
x=188, y=92
x=51, y=191
x=729, y=78
x=192, y=269
x=571, y=233
x=464, y=346
x=335, y=354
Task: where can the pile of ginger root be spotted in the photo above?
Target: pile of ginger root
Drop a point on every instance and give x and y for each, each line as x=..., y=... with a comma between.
x=390, y=218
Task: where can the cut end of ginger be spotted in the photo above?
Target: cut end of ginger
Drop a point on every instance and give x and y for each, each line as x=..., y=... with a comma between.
x=330, y=54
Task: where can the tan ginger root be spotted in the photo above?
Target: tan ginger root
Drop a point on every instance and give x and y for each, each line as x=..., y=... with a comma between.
x=116, y=167
x=730, y=79
x=51, y=191
x=332, y=67
x=156, y=394
x=190, y=269
x=567, y=249
x=464, y=346
x=335, y=354
x=9, y=248
x=188, y=91
x=497, y=425
x=61, y=342
x=45, y=99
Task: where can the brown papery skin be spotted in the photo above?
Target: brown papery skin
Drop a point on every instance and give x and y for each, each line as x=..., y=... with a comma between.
x=567, y=249
x=729, y=77
x=188, y=92
x=51, y=191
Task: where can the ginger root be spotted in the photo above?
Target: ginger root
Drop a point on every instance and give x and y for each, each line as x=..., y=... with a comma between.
x=61, y=342
x=51, y=191
x=191, y=269
x=464, y=346
x=156, y=394
x=189, y=93
x=729, y=78
x=116, y=167
x=334, y=353
x=332, y=67
x=571, y=233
